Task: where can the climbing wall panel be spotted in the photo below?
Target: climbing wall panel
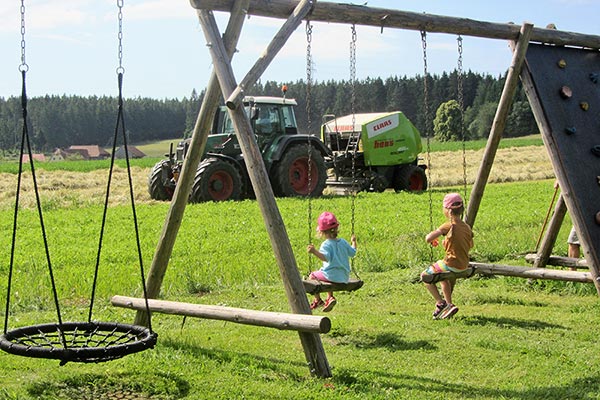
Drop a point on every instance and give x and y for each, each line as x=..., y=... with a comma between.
x=563, y=87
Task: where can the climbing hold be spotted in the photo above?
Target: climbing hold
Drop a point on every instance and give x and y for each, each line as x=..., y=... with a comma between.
x=570, y=130
x=596, y=150
x=584, y=105
x=598, y=217
x=562, y=63
x=566, y=92
x=594, y=77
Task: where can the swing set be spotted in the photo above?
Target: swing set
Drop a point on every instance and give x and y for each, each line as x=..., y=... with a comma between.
x=580, y=186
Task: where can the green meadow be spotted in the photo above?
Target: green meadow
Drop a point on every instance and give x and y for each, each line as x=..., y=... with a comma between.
x=512, y=338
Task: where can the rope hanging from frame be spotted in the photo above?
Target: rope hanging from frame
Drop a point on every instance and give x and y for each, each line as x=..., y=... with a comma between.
x=89, y=341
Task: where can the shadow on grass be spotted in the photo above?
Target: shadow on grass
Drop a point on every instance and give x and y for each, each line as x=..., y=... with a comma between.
x=278, y=366
x=128, y=385
x=388, y=340
x=368, y=382
x=509, y=323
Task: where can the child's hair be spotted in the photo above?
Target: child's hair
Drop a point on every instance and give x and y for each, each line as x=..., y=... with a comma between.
x=457, y=212
x=333, y=232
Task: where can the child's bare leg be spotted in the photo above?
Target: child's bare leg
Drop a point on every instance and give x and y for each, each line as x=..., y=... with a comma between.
x=447, y=289
x=432, y=288
x=329, y=294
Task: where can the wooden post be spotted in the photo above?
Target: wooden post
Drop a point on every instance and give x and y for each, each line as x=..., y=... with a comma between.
x=278, y=41
x=269, y=319
x=345, y=13
x=174, y=216
x=545, y=250
x=311, y=342
x=510, y=86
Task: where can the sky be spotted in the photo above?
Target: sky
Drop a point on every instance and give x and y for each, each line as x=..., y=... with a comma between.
x=71, y=46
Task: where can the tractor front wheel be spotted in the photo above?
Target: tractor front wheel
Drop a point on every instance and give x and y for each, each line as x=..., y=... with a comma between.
x=216, y=180
x=410, y=178
x=158, y=181
x=292, y=173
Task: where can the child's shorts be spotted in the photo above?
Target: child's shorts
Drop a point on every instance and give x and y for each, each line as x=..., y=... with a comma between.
x=318, y=275
x=439, y=267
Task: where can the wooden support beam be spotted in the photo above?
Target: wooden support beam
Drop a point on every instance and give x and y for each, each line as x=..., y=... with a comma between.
x=174, y=217
x=545, y=249
x=559, y=261
x=332, y=12
x=532, y=273
x=282, y=321
x=278, y=41
x=508, y=92
x=280, y=242
x=434, y=278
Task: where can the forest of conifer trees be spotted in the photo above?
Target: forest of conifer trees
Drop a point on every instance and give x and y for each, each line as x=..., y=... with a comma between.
x=61, y=121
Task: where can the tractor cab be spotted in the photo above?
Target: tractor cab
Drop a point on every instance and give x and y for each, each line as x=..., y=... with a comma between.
x=271, y=117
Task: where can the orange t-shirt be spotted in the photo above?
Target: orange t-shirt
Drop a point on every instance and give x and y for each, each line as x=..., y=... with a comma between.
x=458, y=242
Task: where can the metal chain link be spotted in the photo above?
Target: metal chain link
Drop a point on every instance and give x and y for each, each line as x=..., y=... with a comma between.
x=23, y=67
x=120, y=68
x=309, y=128
x=428, y=136
x=461, y=103
x=353, y=106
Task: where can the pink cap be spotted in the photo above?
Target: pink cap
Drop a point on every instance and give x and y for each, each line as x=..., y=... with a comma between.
x=452, y=201
x=327, y=221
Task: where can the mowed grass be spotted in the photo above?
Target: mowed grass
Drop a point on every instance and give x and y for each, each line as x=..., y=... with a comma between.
x=512, y=338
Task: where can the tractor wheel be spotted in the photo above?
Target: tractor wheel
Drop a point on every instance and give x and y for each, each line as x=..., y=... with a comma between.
x=216, y=180
x=292, y=177
x=158, y=180
x=410, y=178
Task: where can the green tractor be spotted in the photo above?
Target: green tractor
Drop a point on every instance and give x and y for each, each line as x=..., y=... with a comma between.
x=374, y=152
x=222, y=173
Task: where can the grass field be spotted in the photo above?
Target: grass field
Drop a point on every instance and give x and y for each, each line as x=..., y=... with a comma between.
x=512, y=338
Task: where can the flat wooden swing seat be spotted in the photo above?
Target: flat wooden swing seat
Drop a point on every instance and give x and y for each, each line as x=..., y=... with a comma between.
x=314, y=286
x=442, y=276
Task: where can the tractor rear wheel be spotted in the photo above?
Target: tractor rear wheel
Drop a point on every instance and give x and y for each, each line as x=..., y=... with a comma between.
x=159, y=176
x=216, y=180
x=410, y=178
x=292, y=173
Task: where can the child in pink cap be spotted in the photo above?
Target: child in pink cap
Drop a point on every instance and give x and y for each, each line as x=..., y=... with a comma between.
x=335, y=254
x=457, y=244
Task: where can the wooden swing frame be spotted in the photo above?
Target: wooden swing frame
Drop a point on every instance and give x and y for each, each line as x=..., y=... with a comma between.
x=223, y=83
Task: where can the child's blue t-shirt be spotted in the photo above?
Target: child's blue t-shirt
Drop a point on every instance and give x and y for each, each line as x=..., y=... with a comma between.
x=337, y=252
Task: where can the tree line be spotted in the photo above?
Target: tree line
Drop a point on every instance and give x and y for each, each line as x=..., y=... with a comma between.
x=61, y=121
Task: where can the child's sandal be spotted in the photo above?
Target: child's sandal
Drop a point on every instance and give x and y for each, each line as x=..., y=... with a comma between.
x=439, y=307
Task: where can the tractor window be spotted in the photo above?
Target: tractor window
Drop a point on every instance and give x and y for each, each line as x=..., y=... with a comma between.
x=268, y=122
x=289, y=118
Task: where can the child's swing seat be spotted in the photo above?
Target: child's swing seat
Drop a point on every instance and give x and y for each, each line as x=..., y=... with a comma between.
x=442, y=276
x=314, y=286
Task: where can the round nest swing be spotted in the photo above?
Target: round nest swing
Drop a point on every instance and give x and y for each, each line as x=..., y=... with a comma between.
x=85, y=342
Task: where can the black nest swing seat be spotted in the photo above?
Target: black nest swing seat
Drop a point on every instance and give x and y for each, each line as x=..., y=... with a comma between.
x=86, y=342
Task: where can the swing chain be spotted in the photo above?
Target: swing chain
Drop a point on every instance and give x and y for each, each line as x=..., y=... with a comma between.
x=427, y=117
x=461, y=103
x=23, y=67
x=353, y=106
x=428, y=136
x=120, y=69
x=309, y=127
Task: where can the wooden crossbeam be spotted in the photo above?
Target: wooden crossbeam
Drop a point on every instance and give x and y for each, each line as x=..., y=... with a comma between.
x=532, y=273
x=559, y=261
x=282, y=321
